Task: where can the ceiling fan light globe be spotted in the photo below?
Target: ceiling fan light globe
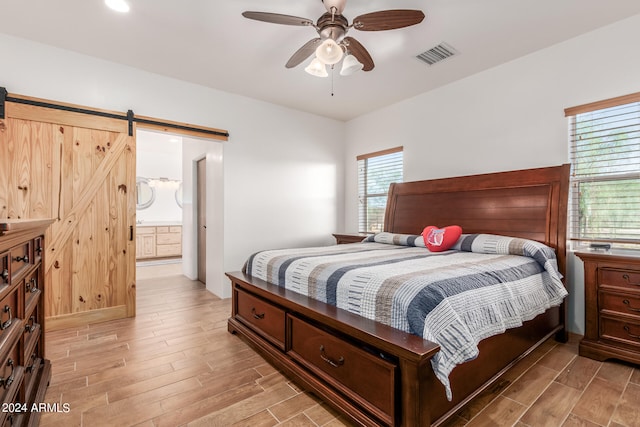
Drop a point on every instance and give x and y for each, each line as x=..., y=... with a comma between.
x=117, y=5
x=350, y=65
x=317, y=68
x=329, y=52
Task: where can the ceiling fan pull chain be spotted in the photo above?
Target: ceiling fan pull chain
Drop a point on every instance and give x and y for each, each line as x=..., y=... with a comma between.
x=332, y=68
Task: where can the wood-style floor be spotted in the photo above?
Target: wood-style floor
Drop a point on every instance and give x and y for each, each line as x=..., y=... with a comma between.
x=175, y=364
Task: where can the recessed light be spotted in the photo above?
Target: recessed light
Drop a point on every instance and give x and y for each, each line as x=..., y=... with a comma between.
x=117, y=5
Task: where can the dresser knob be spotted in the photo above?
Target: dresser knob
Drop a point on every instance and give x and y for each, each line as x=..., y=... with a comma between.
x=24, y=259
x=4, y=274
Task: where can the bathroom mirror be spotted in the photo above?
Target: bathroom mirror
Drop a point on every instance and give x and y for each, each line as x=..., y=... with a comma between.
x=179, y=195
x=145, y=194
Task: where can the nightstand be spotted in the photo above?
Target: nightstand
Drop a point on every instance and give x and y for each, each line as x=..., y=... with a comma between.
x=349, y=238
x=612, y=305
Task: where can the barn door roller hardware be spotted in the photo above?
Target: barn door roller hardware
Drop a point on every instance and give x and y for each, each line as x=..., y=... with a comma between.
x=3, y=99
x=129, y=117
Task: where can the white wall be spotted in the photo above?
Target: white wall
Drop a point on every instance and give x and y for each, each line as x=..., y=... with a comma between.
x=508, y=117
x=263, y=206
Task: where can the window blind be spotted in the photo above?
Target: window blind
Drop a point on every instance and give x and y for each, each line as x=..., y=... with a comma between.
x=605, y=177
x=375, y=172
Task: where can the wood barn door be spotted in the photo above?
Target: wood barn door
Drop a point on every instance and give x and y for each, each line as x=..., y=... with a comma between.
x=79, y=169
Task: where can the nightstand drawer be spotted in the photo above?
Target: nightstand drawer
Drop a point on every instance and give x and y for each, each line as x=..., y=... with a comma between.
x=620, y=330
x=628, y=279
x=619, y=303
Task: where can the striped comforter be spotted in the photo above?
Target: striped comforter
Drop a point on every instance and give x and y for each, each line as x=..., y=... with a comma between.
x=482, y=286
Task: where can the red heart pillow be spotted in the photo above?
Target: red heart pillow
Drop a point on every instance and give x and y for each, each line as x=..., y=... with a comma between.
x=440, y=239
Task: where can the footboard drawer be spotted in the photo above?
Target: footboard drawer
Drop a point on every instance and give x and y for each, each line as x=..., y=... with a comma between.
x=263, y=317
x=365, y=378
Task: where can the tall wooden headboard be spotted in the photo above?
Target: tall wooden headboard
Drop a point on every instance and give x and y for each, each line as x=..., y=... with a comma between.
x=530, y=203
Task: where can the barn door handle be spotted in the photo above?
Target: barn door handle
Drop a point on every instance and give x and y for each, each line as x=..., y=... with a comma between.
x=324, y=357
x=131, y=233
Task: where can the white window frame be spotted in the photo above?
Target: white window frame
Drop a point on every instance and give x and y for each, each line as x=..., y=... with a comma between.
x=606, y=134
x=389, y=161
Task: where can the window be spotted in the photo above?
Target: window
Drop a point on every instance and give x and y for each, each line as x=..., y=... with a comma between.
x=605, y=171
x=375, y=172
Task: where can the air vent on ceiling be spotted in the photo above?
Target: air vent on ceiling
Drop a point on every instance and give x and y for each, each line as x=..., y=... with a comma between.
x=437, y=54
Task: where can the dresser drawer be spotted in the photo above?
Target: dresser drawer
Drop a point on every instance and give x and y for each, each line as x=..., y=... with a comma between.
x=359, y=374
x=264, y=318
x=622, y=331
x=628, y=279
x=627, y=304
x=20, y=258
x=9, y=311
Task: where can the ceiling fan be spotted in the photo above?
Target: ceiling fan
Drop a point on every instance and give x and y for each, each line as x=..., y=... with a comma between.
x=333, y=43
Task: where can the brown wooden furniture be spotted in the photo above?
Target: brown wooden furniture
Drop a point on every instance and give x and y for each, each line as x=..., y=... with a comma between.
x=377, y=375
x=342, y=238
x=612, y=306
x=24, y=372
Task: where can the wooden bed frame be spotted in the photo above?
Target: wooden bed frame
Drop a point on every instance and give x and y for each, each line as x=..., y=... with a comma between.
x=393, y=382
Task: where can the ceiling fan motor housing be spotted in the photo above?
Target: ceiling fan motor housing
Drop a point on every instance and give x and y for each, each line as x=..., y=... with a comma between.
x=332, y=27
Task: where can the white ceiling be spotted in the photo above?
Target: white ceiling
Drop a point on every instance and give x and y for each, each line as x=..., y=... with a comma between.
x=208, y=42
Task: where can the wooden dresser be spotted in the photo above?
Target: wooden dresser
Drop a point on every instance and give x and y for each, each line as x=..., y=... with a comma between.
x=24, y=371
x=612, y=306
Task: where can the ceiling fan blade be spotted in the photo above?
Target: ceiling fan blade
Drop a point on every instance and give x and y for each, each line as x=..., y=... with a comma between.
x=277, y=18
x=388, y=20
x=356, y=49
x=303, y=53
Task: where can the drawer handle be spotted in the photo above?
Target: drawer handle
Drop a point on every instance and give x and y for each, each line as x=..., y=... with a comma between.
x=626, y=277
x=22, y=258
x=7, y=382
x=32, y=285
x=31, y=367
x=7, y=323
x=628, y=304
x=32, y=327
x=256, y=315
x=628, y=331
x=324, y=357
x=5, y=274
